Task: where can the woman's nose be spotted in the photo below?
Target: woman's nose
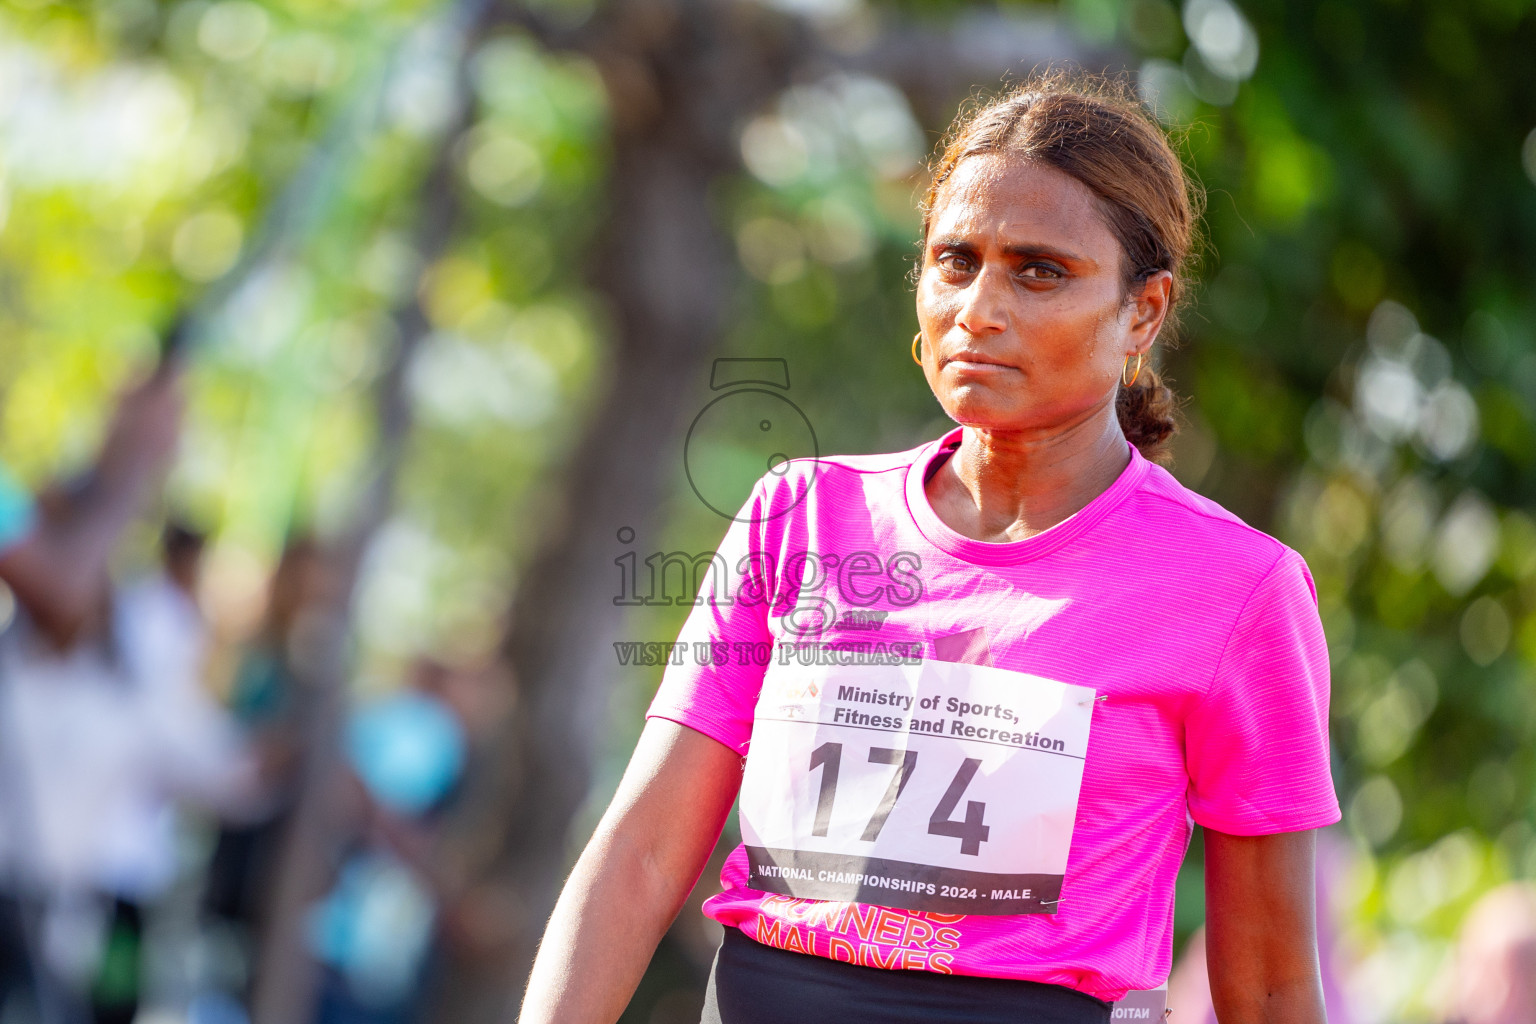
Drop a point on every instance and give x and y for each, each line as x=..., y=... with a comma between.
x=984, y=308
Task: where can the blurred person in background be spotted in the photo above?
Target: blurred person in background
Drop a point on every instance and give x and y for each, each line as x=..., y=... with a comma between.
x=374, y=929
x=270, y=703
x=193, y=751
x=54, y=555
x=1495, y=974
x=108, y=732
x=400, y=900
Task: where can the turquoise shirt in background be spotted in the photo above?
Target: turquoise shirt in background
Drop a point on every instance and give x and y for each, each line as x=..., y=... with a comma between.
x=17, y=510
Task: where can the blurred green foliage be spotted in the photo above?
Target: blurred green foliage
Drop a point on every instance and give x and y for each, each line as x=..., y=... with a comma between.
x=1359, y=357
x=143, y=147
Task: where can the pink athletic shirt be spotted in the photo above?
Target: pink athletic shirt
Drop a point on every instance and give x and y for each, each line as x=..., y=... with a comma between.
x=1199, y=633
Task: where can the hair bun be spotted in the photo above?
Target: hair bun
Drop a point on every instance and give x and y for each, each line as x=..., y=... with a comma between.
x=1148, y=414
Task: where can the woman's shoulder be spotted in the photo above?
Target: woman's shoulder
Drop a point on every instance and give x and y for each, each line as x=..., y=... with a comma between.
x=829, y=489
x=881, y=462
x=797, y=477
x=1181, y=522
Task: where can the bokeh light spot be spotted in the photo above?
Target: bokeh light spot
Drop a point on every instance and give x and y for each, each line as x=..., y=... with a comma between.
x=207, y=244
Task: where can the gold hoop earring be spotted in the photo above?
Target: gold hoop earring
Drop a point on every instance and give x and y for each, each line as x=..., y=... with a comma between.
x=1137, y=373
x=916, y=338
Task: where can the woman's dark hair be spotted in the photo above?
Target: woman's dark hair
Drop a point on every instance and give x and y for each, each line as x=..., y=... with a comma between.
x=1095, y=129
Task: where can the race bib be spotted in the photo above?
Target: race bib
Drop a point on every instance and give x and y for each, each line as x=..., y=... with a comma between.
x=937, y=786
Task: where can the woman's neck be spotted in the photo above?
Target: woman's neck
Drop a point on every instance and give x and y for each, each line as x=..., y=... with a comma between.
x=1009, y=485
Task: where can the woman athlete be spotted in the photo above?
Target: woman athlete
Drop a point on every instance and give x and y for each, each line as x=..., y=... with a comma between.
x=969, y=801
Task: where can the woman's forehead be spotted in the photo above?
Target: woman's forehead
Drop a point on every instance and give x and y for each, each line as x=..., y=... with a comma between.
x=1019, y=200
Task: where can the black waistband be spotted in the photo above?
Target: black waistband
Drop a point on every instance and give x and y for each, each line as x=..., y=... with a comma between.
x=756, y=984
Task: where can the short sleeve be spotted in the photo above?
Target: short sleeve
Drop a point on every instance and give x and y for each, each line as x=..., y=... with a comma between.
x=17, y=511
x=715, y=672
x=1256, y=746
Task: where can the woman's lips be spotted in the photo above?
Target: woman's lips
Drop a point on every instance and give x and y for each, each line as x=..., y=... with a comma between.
x=969, y=363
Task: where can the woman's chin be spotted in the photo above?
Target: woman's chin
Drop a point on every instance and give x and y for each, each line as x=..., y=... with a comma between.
x=999, y=410
x=987, y=415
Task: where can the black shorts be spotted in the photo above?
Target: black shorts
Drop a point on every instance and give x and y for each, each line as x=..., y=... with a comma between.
x=756, y=984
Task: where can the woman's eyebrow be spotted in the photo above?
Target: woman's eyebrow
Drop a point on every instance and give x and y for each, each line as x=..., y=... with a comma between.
x=1040, y=249
x=1018, y=250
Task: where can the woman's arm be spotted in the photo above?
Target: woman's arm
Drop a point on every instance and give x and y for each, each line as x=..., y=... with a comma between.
x=1261, y=933
x=58, y=571
x=633, y=877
